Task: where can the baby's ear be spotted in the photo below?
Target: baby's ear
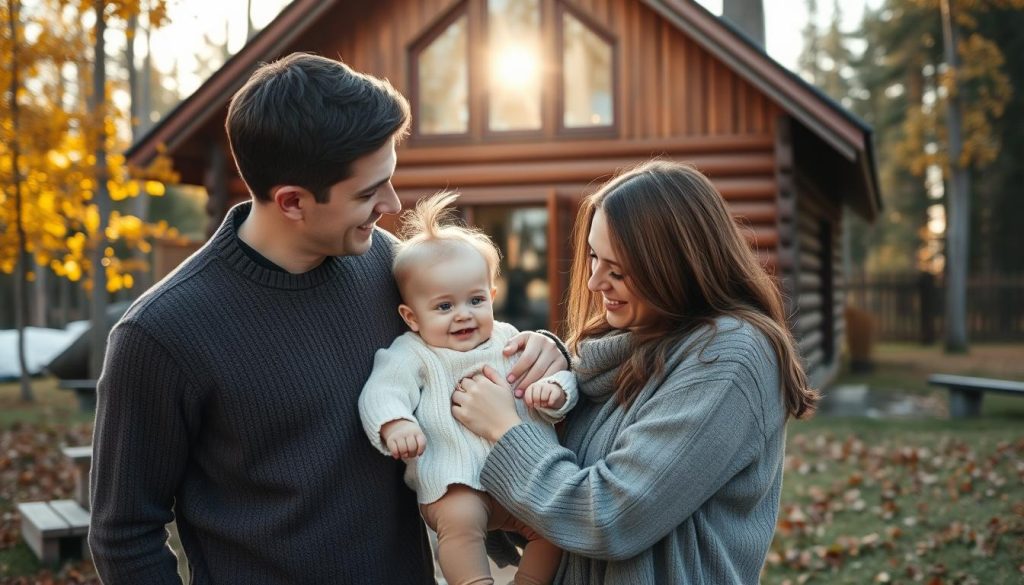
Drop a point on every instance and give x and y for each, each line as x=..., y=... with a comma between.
x=409, y=316
x=494, y=292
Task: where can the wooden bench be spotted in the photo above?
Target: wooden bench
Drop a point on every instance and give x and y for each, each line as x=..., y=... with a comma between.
x=55, y=530
x=966, y=392
x=85, y=391
x=81, y=458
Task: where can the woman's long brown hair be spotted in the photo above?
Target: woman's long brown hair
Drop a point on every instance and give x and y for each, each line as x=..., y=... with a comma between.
x=684, y=255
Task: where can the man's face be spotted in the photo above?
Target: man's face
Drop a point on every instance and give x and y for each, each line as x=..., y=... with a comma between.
x=449, y=301
x=343, y=226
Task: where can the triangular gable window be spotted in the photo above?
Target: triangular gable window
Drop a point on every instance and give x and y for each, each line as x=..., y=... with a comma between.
x=441, y=80
x=513, y=68
x=587, y=73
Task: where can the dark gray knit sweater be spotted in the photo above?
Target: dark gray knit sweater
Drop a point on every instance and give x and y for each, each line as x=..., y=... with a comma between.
x=229, y=394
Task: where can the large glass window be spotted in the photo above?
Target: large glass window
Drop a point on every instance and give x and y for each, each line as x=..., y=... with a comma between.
x=514, y=65
x=521, y=232
x=586, y=75
x=480, y=72
x=442, y=70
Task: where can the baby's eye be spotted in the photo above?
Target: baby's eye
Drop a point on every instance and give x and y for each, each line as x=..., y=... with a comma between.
x=477, y=301
x=446, y=306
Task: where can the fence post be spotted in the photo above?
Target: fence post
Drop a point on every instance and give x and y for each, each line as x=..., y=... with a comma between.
x=926, y=295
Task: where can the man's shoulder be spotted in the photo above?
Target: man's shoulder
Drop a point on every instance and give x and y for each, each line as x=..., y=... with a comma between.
x=173, y=296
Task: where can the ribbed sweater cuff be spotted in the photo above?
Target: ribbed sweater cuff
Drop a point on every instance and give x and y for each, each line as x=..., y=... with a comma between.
x=514, y=457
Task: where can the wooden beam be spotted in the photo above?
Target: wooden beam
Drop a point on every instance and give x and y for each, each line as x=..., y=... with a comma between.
x=413, y=155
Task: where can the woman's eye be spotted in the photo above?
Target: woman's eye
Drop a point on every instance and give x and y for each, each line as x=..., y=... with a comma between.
x=444, y=307
x=616, y=276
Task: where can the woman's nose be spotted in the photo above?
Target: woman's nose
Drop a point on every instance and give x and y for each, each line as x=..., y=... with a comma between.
x=595, y=283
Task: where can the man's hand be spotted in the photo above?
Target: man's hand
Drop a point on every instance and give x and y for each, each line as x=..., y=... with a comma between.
x=541, y=358
x=544, y=395
x=405, y=439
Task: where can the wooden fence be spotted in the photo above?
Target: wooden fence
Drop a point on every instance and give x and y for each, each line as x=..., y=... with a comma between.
x=911, y=306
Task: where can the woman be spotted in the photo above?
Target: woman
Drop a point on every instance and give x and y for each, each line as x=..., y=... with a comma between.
x=671, y=467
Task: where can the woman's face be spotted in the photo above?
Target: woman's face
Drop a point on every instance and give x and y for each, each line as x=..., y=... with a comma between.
x=623, y=308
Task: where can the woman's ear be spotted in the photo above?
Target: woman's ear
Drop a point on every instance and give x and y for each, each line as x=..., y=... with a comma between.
x=407, y=314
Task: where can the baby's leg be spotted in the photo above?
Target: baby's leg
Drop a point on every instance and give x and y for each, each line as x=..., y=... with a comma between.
x=540, y=557
x=460, y=520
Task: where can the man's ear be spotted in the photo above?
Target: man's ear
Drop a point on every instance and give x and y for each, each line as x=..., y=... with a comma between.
x=291, y=201
x=408, y=316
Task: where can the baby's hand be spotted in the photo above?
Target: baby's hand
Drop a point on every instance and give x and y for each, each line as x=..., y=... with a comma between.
x=405, y=439
x=544, y=395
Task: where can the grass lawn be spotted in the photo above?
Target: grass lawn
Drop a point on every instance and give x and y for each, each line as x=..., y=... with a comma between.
x=864, y=501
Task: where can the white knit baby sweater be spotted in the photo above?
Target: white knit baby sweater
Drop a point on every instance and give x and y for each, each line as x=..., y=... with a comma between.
x=414, y=381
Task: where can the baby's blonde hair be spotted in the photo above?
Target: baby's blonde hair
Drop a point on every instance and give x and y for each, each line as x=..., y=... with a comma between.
x=434, y=225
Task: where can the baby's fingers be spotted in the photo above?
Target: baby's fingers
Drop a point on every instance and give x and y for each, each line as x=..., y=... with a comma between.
x=421, y=444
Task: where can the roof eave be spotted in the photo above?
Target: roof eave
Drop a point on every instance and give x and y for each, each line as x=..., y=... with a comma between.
x=180, y=124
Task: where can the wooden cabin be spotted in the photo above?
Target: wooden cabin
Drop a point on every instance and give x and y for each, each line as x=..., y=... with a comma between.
x=525, y=106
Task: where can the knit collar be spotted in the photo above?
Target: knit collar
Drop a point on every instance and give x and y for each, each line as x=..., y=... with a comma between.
x=598, y=363
x=226, y=243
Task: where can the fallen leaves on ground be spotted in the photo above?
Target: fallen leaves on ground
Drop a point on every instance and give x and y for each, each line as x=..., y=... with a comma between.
x=894, y=513
x=33, y=468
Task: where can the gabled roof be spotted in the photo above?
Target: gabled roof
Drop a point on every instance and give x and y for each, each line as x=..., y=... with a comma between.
x=844, y=132
x=193, y=112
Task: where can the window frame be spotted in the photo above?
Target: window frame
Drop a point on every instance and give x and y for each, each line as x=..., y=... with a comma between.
x=413, y=52
x=612, y=129
x=552, y=91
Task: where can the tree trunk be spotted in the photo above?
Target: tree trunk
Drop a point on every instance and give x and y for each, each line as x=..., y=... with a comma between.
x=98, y=330
x=20, y=277
x=250, y=28
x=958, y=201
x=140, y=205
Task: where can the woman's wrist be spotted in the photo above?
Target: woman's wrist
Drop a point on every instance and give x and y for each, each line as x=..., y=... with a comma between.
x=506, y=426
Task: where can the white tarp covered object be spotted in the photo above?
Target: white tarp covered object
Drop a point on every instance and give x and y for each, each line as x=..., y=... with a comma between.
x=41, y=346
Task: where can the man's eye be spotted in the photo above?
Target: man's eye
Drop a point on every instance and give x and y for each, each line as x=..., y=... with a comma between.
x=368, y=195
x=444, y=307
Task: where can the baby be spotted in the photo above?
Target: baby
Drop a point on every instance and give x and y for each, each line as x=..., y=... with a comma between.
x=446, y=275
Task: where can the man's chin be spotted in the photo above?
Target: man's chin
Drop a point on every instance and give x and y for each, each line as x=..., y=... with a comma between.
x=357, y=246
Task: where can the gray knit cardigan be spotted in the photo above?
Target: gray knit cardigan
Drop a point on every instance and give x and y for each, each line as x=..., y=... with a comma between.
x=682, y=487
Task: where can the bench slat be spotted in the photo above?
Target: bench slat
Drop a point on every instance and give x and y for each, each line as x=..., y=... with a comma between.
x=76, y=516
x=973, y=383
x=44, y=519
x=77, y=454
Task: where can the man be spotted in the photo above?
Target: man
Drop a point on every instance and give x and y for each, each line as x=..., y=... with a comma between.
x=228, y=399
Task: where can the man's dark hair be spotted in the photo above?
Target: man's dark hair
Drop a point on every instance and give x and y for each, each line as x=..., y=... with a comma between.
x=304, y=119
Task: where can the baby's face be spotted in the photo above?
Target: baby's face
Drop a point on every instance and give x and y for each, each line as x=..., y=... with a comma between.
x=449, y=301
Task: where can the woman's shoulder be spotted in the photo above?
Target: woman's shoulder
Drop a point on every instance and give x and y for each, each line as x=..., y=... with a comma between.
x=726, y=334
x=732, y=344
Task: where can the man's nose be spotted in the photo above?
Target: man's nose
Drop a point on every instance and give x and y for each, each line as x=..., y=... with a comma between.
x=389, y=203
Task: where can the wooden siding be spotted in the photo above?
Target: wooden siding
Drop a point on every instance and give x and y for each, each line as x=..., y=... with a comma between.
x=667, y=85
x=819, y=288
x=741, y=167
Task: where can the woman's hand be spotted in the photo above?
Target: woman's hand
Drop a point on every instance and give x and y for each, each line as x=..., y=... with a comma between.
x=484, y=404
x=540, y=359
